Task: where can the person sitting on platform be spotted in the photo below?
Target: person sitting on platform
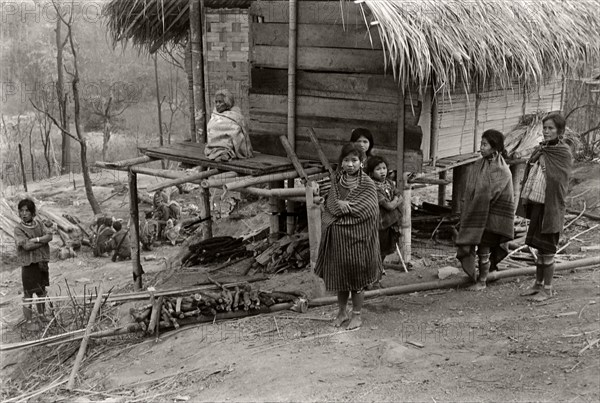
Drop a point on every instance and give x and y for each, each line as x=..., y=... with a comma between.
x=227, y=135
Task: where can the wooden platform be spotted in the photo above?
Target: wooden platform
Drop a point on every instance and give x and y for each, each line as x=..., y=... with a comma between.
x=193, y=153
x=448, y=163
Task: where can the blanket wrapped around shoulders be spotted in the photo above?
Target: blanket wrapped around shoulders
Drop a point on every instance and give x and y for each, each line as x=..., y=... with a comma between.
x=559, y=162
x=349, y=250
x=488, y=203
x=227, y=136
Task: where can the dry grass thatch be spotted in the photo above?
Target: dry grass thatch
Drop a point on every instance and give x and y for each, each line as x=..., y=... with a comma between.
x=150, y=24
x=452, y=41
x=445, y=42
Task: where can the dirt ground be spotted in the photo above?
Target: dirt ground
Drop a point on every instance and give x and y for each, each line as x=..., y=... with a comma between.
x=438, y=345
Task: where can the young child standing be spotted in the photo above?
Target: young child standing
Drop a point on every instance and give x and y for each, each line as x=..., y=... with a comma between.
x=33, y=253
x=389, y=202
x=348, y=260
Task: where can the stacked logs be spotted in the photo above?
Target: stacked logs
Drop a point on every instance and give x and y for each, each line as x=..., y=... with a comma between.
x=172, y=311
x=291, y=252
x=215, y=249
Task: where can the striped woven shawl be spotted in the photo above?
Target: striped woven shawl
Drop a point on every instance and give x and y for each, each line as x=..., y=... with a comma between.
x=487, y=204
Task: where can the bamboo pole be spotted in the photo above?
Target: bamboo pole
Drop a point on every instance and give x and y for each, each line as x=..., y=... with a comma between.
x=278, y=192
x=289, y=150
x=197, y=72
x=257, y=180
x=276, y=206
x=183, y=179
x=434, y=129
x=134, y=232
x=125, y=163
x=476, y=118
x=442, y=188
x=405, y=223
x=219, y=180
x=458, y=281
x=292, y=47
x=159, y=173
x=86, y=337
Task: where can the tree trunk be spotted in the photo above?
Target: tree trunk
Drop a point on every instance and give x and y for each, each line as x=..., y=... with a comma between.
x=87, y=182
x=105, y=139
x=62, y=101
x=197, y=73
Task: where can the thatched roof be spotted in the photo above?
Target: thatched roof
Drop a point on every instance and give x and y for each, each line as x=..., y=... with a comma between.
x=440, y=41
x=150, y=24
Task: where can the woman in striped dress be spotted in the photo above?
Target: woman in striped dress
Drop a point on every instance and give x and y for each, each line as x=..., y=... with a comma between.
x=349, y=258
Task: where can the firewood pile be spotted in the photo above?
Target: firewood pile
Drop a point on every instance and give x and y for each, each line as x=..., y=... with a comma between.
x=291, y=252
x=230, y=302
x=215, y=249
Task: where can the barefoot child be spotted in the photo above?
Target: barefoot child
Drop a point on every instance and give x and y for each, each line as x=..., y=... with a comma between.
x=389, y=201
x=33, y=252
x=348, y=259
x=487, y=211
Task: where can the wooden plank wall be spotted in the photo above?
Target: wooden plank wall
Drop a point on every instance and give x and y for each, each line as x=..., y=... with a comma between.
x=341, y=80
x=499, y=109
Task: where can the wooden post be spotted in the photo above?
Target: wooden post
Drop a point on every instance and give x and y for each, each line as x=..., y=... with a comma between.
x=434, y=129
x=134, y=232
x=86, y=337
x=197, y=72
x=292, y=45
x=313, y=212
x=405, y=224
x=277, y=206
x=517, y=170
x=23, y=173
x=476, y=120
x=459, y=183
x=442, y=189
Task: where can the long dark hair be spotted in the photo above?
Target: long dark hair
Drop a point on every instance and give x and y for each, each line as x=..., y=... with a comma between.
x=496, y=140
x=362, y=132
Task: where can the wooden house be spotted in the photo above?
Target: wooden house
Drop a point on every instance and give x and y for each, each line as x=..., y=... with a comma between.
x=427, y=77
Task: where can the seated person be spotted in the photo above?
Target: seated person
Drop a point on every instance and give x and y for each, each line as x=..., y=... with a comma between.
x=105, y=232
x=148, y=231
x=120, y=243
x=227, y=135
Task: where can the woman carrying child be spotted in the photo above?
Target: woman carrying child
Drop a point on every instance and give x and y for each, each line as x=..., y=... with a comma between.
x=389, y=201
x=487, y=213
x=348, y=258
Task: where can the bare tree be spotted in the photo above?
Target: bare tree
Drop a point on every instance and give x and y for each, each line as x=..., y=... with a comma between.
x=61, y=96
x=108, y=109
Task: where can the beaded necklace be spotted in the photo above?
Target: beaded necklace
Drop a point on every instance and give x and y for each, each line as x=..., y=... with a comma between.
x=349, y=181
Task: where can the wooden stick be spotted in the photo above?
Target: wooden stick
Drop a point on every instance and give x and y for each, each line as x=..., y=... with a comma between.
x=293, y=157
x=320, y=153
x=220, y=179
x=278, y=192
x=256, y=180
x=401, y=258
x=313, y=212
x=576, y=218
x=134, y=232
x=86, y=337
x=588, y=215
x=185, y=179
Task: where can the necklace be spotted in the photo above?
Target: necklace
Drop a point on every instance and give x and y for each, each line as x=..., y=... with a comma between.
x=349, y=181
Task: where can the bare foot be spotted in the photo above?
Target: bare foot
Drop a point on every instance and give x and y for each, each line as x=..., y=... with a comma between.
x=341, y=318
x=355, y=322
x=534, y=289
x=542, y=295
x=478, y=286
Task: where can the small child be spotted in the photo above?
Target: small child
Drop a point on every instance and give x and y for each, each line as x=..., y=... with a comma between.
x=32, y=238
x=389, y=201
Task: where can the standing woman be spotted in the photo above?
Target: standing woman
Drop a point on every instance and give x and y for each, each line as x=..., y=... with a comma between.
x=546, y=183
x=487, y=213
x=348, y=259
x=364, y=140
